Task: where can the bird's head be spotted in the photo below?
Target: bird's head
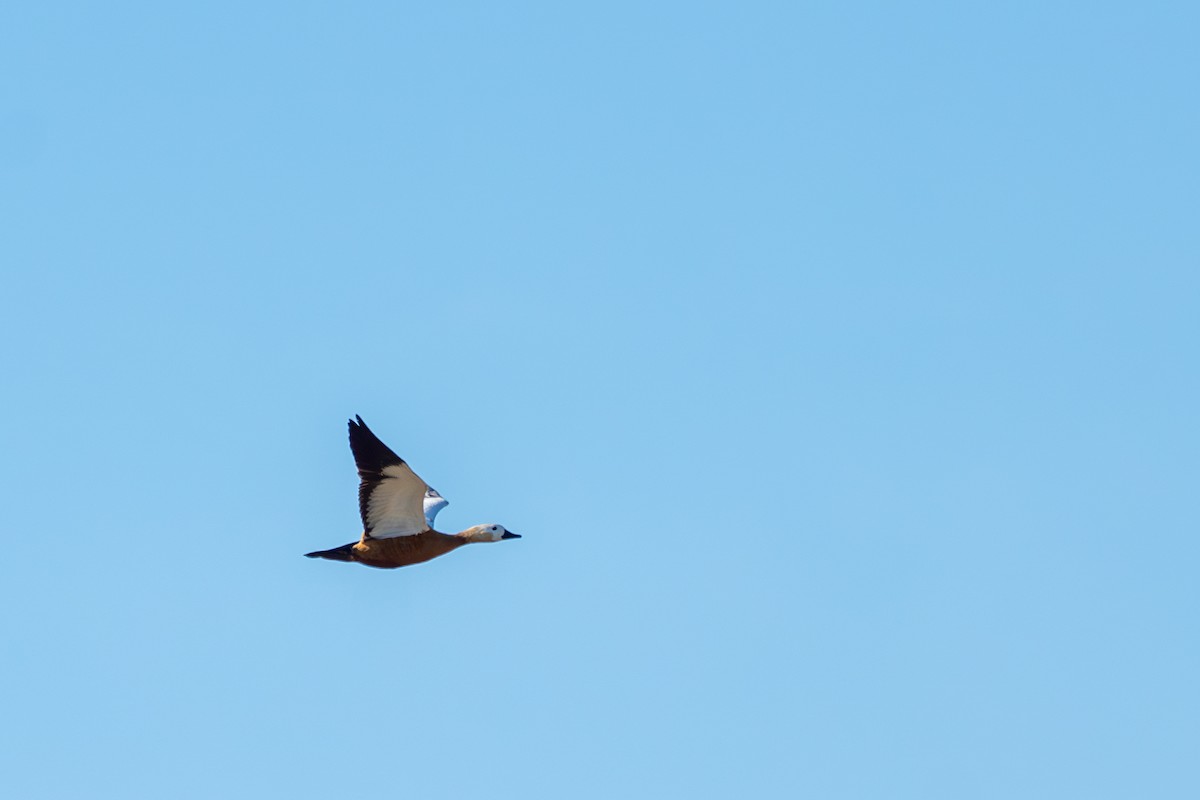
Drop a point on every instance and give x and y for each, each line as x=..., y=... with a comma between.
x=488, y=533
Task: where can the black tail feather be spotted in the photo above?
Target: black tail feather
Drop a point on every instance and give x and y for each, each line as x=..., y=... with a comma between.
x=343, y=553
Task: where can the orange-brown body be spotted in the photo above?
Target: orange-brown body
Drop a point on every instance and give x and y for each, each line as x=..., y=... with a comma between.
x=389, y=552
x=400, y=551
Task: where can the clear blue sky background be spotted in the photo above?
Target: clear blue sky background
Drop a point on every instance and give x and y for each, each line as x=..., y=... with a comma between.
x=838, y=363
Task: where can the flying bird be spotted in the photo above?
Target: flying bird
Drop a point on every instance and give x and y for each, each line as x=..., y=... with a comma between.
x=398, y=509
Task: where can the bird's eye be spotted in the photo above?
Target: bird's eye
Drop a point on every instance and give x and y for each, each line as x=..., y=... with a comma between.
x=495, y=528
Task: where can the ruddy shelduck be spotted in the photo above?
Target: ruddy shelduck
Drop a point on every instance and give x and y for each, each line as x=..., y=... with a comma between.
x=397, y=510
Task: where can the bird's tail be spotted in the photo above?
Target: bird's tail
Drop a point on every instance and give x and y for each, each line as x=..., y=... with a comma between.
x=343, y=553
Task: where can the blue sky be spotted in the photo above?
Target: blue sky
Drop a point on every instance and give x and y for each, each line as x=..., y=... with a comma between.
x=836, y=361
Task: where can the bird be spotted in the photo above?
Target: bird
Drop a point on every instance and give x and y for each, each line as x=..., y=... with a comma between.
x=398, y=509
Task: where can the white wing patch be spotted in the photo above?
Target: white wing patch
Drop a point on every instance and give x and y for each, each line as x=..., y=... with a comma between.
x=396, y=505
x=434, y=503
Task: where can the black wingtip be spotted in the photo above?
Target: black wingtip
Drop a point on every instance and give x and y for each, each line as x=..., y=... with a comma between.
x=370, y=454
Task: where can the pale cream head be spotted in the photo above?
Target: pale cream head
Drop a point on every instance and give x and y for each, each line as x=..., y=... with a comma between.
x=488, y=533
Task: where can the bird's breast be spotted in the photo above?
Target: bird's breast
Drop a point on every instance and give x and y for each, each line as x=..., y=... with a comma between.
x=400, y=551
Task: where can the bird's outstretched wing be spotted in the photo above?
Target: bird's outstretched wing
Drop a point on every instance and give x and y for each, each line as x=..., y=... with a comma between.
x=390, y=495
x=434, y=503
